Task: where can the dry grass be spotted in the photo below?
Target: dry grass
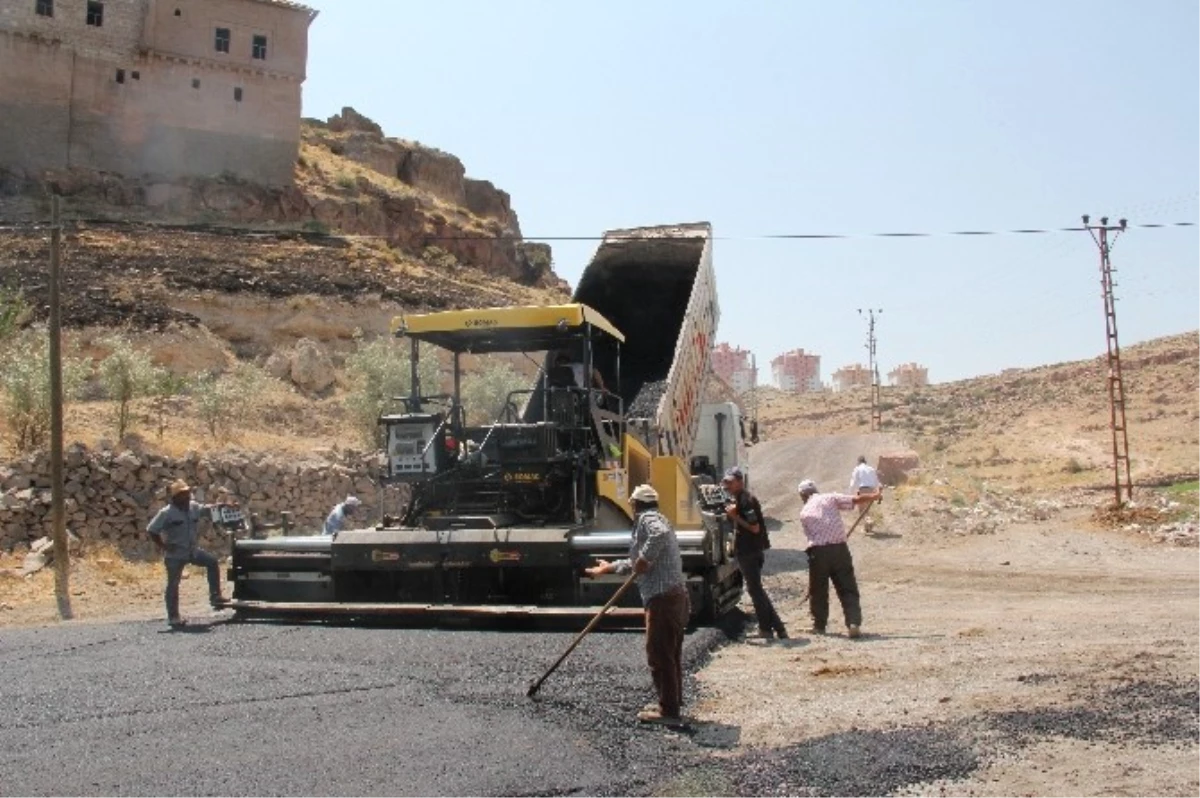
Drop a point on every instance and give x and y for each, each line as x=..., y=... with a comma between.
x=103, y=584
x=1047, y=426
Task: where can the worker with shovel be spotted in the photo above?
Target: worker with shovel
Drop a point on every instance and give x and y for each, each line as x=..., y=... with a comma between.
x=829, y=555
x=865, y=479
x=654, y=556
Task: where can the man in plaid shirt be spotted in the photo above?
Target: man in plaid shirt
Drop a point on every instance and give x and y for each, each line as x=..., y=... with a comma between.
x=829, y=555
x=654, y=556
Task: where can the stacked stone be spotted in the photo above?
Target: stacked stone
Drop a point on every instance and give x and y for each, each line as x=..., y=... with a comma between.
x=111, y=496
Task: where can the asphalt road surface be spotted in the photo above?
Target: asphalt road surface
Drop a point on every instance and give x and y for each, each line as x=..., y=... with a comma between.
x=235, y=709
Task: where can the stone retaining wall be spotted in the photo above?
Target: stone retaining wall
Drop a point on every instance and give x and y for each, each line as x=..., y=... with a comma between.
x=111, y=496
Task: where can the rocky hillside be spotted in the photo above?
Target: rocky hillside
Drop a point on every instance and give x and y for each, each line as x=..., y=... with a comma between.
x=371, y=223
x=1043, y=426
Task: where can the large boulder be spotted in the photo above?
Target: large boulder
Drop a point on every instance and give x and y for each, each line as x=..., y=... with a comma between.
x=894, y=467
x=439, y=173
x=312, y=368
x=349, y=119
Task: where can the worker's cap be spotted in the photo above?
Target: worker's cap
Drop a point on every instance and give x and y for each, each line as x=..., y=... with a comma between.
x=807, y=487
x=644, y=494
x=177, y=487
x=352, y=501
x=737, y=472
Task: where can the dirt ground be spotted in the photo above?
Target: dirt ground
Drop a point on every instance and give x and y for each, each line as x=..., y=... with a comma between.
x=963, y=629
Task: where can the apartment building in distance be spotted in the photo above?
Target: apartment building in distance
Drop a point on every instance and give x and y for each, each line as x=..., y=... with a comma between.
x=157, y=89
x=855, y=375
x=797, y=371
x=909, y=375
x=736, y=366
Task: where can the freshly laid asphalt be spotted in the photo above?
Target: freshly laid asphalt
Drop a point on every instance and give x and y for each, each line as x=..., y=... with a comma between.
x=233, y=709
x=265, y=709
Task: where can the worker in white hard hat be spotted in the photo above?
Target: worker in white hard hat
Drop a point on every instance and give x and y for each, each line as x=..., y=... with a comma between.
x=654, y=555
x=339, y=514
x=829, y=554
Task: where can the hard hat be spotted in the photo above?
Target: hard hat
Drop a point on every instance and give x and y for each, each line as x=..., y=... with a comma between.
x=734, y=473
x=807, y=487
x=644, y=494
x=177, y=487
x=352, y=501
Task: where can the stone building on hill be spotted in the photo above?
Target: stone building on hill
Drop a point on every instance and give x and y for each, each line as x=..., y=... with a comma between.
x=161, y=89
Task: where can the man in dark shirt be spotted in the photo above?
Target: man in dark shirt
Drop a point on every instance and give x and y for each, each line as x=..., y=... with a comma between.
x=749, y=543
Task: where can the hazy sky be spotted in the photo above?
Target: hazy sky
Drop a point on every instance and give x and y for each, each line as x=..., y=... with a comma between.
x=835, y=117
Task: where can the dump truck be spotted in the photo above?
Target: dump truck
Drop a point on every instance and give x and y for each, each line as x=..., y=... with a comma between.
x=502, y=518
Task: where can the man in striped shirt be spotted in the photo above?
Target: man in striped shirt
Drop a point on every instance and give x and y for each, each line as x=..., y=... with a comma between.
x=829, y=555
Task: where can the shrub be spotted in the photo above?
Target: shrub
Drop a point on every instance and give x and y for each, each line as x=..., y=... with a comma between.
x=25, y=388
x=165, y=387
x=13, y=311
x=379, y=373
x=222, y=401
x=126, y=375
x=485, y=392
x=1073, y=466
x=214, y=402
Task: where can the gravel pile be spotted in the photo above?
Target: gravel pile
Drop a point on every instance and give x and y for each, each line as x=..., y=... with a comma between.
x=645, y=404
x=1150, y=712
x=855, y=763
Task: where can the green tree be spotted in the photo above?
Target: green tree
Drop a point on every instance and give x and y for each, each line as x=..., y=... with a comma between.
x=214, y=401
x=13, y=310
x=165, y=387
x=379, y=372
x=485, y=392
x=127, y=374
x=25, y=387
x=221, y=401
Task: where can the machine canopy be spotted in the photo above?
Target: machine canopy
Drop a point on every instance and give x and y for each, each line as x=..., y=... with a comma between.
x=511, y=329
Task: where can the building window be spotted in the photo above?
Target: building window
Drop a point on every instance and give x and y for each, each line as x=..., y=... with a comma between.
x=237, y=94
x=45, y=8
x=95, y=13
x=135, y=75
x=195, y=83
x=178, y=13
x=120, y=76
x=259, y=50
x=222, y=40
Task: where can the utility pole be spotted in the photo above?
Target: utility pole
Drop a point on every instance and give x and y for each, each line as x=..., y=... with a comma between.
x=58, y=515
x=876, y=413
x=1116, y=386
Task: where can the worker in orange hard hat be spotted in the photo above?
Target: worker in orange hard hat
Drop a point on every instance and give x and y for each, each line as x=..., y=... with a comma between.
x=174, y=530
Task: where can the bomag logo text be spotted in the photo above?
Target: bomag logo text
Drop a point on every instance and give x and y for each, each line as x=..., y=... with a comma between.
x=481, y=323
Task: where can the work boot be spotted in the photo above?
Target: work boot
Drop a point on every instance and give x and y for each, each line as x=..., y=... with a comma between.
x=656, y=716
x=766, y=635
x=781, y=633
x=218, y=601
x=853, y=631
x=816, y=629
x=176, y=623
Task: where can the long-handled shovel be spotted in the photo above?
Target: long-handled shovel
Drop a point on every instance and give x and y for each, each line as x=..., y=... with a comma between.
x=866, y=509
x=591, y=625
